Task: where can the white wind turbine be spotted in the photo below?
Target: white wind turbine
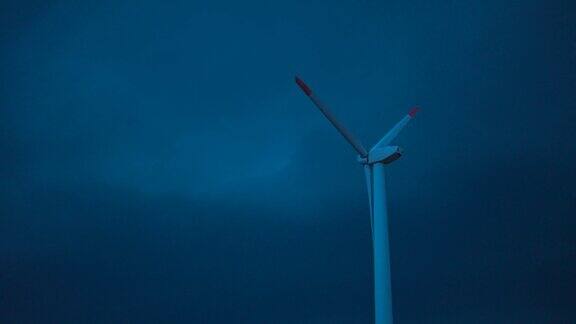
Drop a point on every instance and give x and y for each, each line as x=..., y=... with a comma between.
x=373, y=163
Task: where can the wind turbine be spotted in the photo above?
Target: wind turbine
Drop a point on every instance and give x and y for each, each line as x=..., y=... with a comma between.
x=373, y=161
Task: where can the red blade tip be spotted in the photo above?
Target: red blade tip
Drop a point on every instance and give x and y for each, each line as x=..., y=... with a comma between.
x=413, y=111
x=303, y=86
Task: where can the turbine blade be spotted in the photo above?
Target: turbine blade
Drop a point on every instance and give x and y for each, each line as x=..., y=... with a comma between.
x=328, y=114
x=391, y=135
x=370, y=185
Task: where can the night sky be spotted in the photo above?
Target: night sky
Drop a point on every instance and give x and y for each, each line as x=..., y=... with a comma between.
x=158, y=163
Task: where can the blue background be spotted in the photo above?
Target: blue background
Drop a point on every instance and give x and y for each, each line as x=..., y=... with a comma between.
x=158, y=163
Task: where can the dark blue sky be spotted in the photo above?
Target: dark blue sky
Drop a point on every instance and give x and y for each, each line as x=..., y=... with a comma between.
x=159, y=163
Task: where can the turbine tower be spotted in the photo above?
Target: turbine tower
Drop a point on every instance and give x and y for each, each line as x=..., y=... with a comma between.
x=373, y=161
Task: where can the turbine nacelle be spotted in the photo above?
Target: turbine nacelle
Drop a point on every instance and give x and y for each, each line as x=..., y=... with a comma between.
x=385, y=155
